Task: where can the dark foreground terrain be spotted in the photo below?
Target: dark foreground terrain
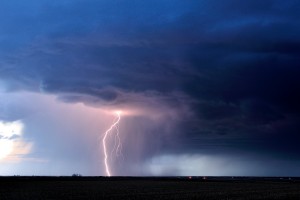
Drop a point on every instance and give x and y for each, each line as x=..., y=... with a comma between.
x=148, y=188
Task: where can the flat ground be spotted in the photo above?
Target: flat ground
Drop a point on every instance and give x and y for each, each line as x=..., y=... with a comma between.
x=148, y=188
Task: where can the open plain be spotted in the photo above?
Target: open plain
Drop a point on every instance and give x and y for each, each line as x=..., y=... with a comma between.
x=149, y=188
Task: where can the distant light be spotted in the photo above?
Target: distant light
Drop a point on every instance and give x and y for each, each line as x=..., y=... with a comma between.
x=118, y=112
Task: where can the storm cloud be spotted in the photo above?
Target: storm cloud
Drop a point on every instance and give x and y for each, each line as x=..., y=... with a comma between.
x=221, y=75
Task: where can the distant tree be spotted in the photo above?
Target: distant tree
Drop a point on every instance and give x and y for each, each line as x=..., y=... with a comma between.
x=76, y=175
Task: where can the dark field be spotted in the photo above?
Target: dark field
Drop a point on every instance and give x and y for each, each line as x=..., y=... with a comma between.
x=148, y=188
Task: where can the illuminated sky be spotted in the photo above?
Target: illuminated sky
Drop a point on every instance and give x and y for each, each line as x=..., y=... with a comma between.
x=205, y=87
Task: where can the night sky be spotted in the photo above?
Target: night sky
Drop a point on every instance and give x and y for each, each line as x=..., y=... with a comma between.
x=206, y=87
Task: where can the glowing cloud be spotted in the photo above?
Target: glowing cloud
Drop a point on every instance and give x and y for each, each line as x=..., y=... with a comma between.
x=6, y=147
x=9, y=132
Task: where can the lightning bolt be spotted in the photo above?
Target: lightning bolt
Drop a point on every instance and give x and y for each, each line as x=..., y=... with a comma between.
x=117, y=141
x=118, y=145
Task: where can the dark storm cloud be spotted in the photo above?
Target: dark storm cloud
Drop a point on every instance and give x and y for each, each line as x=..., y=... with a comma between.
x=236, y=61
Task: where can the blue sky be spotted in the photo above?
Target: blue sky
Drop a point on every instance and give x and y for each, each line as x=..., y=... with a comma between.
x=210, y=83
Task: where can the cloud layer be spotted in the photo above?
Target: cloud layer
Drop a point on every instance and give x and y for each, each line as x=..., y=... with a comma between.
x=221, y=75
